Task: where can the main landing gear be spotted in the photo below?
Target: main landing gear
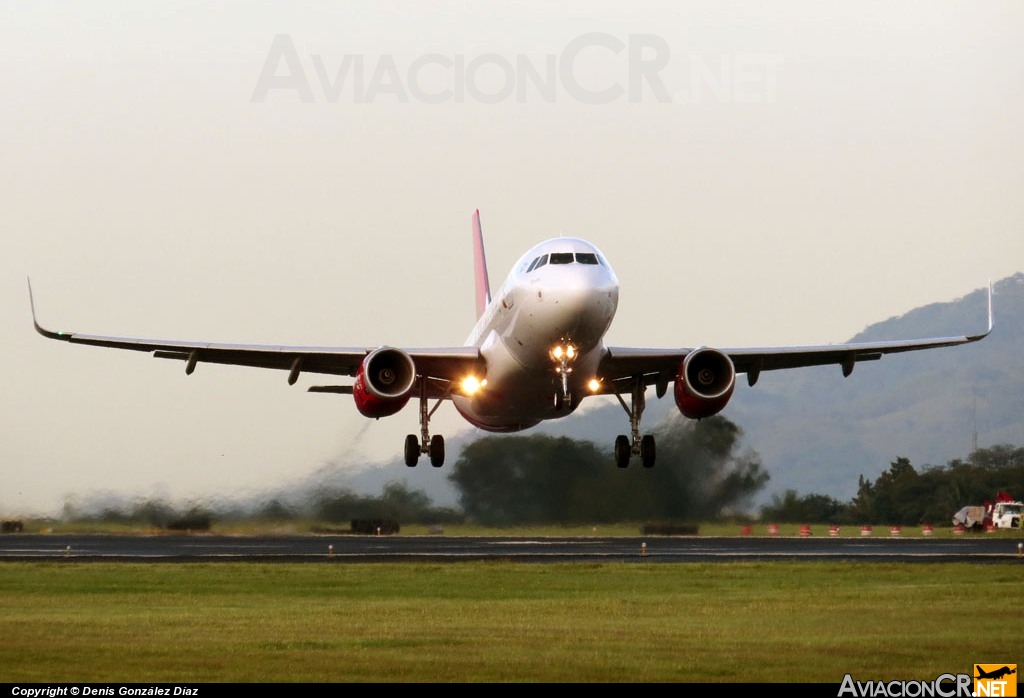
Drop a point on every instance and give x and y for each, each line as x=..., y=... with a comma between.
x=432, y=446
x=626, y=447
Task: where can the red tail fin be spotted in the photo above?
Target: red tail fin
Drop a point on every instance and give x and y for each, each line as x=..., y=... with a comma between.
x=483, y=286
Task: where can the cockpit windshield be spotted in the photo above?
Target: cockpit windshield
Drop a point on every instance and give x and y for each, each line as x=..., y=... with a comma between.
x=589, y=258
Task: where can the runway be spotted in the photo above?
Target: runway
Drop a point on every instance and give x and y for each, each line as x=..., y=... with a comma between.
x=350, y=548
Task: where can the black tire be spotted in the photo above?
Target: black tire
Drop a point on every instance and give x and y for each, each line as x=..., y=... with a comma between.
x=437, y=450
x=559, y=401
x=647, y=451
x=623, y=451
x=412, y=450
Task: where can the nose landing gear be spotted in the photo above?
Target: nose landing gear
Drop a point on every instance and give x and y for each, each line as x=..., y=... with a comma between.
x=563, y=354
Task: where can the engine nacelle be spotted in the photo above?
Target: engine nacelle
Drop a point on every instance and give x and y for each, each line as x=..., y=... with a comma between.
x=704, y=383
x=384, y=382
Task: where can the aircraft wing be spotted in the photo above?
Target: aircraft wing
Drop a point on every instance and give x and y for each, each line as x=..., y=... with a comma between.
x=659, y=366
x=442, y=364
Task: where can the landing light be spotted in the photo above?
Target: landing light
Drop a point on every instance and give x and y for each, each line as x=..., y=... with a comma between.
x=470, y=385
x=594, y=385
x=563, y=352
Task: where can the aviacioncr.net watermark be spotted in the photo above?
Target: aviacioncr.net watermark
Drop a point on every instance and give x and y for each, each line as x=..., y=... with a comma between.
x=594, y=68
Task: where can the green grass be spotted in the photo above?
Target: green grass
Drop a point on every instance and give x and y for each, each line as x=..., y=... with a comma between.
x=477, y=621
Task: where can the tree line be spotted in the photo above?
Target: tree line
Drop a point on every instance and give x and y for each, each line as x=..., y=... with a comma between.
x=904, y=495
x=701, y=476
x=505, y=480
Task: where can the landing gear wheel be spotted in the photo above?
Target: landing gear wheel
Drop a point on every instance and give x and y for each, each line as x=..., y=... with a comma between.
x=647, y=451
x=437, y=450
x=412, y=450
x=626, y=446
x=623, y=451
x=559, y=401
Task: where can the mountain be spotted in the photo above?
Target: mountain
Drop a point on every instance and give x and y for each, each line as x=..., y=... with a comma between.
x=817, y=432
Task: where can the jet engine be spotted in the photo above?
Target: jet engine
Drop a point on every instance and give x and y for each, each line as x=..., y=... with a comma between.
x=704, y=383
x=384, y=382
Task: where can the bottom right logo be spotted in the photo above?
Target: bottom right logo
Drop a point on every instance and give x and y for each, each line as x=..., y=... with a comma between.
x=995, y=680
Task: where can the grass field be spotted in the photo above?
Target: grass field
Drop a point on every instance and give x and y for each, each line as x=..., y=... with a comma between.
x=772, y=621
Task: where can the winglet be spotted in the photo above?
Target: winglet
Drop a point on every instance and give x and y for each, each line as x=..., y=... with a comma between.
x=483, y=286
x=991, y=321
x=39, y=328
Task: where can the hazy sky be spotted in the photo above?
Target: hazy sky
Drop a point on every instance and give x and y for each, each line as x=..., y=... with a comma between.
x=285, y=172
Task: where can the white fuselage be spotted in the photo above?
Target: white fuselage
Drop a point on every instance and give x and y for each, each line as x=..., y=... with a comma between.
x=561, y=293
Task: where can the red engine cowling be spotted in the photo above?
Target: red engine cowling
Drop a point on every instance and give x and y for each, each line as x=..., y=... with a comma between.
x=384, y=383
x=704, y=383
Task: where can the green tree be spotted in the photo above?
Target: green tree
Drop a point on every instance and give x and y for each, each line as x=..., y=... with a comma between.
x=888, y=500
x=790, y=507
x=546, y=479
x=529, y=479
x=903, y=495
x=397, y=502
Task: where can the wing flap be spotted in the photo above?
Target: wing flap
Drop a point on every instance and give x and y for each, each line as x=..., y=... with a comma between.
x=446, y=363
x=441, y=363
x=623, y=362
x=657, y=365
x=778, y=358
x=330, y=360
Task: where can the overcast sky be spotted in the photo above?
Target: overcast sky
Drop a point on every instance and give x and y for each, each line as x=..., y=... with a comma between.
x=286, y=172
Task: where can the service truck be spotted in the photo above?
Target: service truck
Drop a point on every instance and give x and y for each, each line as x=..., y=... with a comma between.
x=1006, y=512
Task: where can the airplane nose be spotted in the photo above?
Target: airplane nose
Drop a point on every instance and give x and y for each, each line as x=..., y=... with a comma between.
x=582, y=299
x=582, y=306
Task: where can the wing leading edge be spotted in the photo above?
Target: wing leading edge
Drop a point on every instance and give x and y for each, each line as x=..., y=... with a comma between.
x=660, y=365
x=442, y=363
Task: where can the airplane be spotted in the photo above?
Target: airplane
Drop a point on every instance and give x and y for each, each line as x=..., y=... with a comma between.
x=995, y=674
x=536, y=351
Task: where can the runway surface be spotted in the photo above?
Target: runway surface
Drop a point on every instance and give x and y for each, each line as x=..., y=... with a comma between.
x=351, y=548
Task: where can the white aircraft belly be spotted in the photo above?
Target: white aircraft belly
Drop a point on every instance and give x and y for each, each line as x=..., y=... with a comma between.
x=517, y=396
